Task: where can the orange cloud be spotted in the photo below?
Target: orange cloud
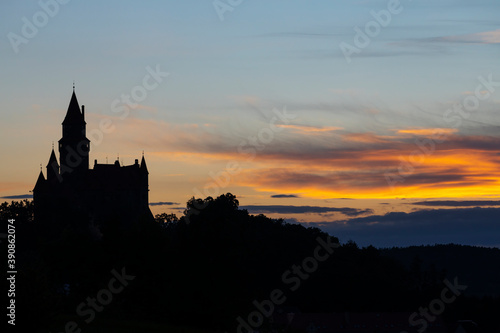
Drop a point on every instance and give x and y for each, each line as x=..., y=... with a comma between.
x=365, y=138
x=351, y=165
x=428, y=131
x=458, y=173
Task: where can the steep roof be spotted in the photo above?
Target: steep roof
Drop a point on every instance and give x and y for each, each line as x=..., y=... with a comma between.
x=144, y=168
x=73, y=115
x=40, y=183
x=52, y=159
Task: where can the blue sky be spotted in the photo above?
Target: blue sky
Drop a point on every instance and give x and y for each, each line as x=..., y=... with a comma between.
x=352, y=120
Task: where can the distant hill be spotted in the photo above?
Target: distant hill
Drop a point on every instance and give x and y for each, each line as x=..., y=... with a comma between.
x=476, y=267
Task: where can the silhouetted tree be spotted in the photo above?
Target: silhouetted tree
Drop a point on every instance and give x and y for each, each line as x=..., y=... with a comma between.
x=163, y=219
x=21, y=211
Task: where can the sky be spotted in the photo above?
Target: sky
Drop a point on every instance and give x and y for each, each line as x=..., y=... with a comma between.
x=376, y=121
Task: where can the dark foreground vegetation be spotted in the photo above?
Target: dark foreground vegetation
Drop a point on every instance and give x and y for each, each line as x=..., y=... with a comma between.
x=203, y=271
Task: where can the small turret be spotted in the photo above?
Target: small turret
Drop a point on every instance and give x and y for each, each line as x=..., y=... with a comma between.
x=144, y=167
x=40, y=183
x=52, y=166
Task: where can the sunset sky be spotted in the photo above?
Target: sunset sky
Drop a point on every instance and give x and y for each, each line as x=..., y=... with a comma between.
x=378, y=121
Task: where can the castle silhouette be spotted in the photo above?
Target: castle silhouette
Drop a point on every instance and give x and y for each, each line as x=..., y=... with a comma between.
x=95, y=196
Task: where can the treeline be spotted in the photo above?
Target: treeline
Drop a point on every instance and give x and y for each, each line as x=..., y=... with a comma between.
x=205, y=268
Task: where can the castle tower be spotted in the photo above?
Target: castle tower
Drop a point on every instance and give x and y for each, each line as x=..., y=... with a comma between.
x=74, y=147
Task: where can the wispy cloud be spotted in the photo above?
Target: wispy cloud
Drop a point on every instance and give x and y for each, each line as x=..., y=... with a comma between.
x=365, y=138
x=485, y=37
x=288, y=209
x=428, y=131
x=163, y=203
x=457, y=203
x=22, y=196
x=310, y=129
x=336, y=163
x=438, y=45
x=302, y=34
x=285, y=196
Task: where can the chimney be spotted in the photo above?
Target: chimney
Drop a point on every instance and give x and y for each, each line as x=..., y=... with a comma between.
x=136, y=161
x=83, y=111
x=95, y=162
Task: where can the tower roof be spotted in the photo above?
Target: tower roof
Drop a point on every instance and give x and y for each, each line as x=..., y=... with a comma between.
x=40, y=182
x=144, y=168
x=52, y=159
x=73, y=115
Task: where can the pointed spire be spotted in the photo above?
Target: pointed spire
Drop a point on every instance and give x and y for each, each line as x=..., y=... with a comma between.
x=40, y=183
x=73, y=115
x=53, y=158
x=144, y=167
x=52, y=166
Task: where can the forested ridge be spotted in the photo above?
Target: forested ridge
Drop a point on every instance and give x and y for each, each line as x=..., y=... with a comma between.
x=207, y=267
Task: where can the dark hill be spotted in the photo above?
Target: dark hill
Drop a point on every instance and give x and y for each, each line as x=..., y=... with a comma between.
x=476, y=267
